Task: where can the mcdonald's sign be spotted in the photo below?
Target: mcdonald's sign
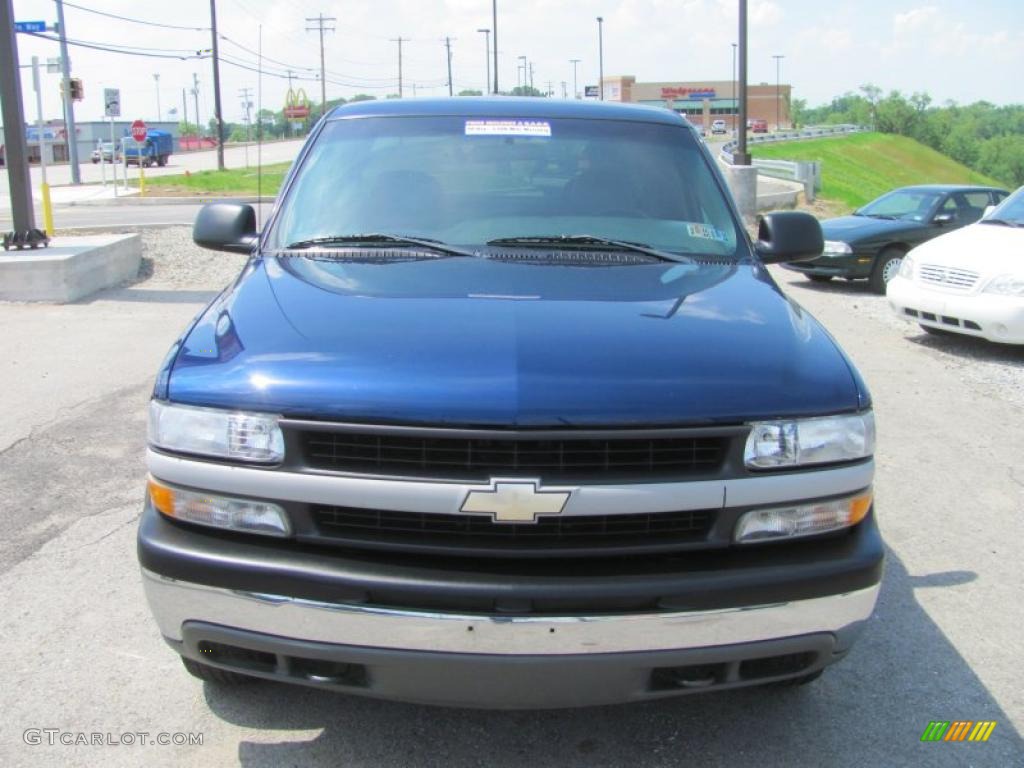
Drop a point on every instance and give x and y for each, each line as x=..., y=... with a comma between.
x=296, y=104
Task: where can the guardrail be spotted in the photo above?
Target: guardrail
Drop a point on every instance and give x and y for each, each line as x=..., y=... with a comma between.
x=807, y=173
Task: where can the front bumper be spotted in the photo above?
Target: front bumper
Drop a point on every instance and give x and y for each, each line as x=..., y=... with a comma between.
x=995, y=318
x=854, y=266
x=351, y=622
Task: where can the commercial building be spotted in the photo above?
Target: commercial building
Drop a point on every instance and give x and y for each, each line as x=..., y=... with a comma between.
x=703, y=102
x=90, y=133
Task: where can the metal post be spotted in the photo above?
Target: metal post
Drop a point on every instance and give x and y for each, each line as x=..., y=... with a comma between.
x=494, y=25
x=218, y=116
x=575, y=90
x=195, y=95
x=742, y=157
x=448, y=47
x=600, y=56
x=778, y=67
x=69, y=105
x=487, y=56
x=113, y=156
x=184, y=107
x=734, y=114
x=159, y=113
x=18, y=176
x=44, y=187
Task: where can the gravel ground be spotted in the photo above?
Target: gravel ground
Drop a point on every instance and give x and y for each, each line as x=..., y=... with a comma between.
x=172, y=261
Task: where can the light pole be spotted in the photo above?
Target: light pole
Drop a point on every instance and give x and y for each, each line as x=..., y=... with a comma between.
x=159, y=114
x=522, y=66
x=735, y=107
x=494, y=26
x=741, y=156
x=575, y=93
x=600, y=56
x=778, y=68
x=487, y=56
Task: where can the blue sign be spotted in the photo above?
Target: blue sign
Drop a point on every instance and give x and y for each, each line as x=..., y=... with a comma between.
x=30, y=26
x=709, y=94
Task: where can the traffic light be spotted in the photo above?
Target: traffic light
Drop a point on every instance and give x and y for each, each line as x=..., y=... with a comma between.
x=77, y=91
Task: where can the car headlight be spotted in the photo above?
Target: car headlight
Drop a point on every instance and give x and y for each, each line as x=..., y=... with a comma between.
x=802, y=519
x=837, y=248
x=1006, y=285
x=907, y=268
x=779, y=444
x=218, y=511
x=254, y=437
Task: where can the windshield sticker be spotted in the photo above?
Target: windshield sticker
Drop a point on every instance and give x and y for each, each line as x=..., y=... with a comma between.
x=706, y=232
x=508, y=128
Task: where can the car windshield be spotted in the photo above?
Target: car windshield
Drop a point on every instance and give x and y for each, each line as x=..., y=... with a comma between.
x=466, y=181
x=912, y=204
x=1010, y=211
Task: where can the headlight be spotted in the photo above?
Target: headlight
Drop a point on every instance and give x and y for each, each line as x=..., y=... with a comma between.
x=212, y=432
x=774, y=444
x=907, y=268
x=837, y=248
x=802, y=519
x=1006, y=285
x=219, y=511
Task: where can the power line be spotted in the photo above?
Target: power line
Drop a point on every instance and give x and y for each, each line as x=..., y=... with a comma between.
x=96, y=47
x=135, y=21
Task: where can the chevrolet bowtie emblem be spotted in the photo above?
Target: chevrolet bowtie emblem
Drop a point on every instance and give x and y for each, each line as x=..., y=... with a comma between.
x=515, y=501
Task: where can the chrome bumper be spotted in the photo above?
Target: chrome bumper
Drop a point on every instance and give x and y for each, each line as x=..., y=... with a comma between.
x=176, y=602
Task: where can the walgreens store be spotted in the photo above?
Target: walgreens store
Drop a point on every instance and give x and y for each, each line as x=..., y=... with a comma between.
x=703, y=102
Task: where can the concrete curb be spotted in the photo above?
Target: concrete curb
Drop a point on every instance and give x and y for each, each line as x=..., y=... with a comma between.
x=143, y=201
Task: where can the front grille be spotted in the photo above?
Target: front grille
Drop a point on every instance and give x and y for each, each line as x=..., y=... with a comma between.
x=961, y=279
x=482, y=458
x=661, y=530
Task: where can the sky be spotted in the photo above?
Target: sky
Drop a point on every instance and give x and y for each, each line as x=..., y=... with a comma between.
x=953, y=50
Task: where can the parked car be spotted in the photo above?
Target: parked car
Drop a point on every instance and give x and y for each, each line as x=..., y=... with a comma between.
x=759, y=126
x=871, y=243
x=107, y=152
x=719, y=126
x=505, y=410
x=970, y=281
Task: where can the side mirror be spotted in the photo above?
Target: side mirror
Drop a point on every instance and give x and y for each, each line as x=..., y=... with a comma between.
x=988, y=210
x=788, y=236
x=944, y=218
x=227, y=227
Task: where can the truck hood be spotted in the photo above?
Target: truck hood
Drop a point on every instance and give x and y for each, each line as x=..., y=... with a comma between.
x=472, y=341
x=853, y=229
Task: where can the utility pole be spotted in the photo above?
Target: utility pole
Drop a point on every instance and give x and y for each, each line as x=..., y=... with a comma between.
x=159, y=113
x=742, y=157
x=565, y=89
x=323, y=24
x=448, y=46
x=400, y=40
x=494, y=25
x=531, y=75
x=778, y=68
x=16, y=158
x=736, y=110
x=246, y=95
x=575, y=90
x=184, y=106
x=600, y=56
x=218, y=116
x=487, y=57
x=521, y=79
x=195, y=95
x=69, y=105
x=550, y=91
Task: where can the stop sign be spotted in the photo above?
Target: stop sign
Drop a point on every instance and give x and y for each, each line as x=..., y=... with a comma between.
x=139, y=131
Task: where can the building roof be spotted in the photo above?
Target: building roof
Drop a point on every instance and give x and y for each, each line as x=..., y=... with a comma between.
x=506, y=106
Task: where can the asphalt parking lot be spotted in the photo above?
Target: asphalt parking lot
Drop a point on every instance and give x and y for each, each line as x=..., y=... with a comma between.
x=83, y=655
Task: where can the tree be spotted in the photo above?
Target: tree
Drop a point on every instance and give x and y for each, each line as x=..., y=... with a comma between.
x=363, y=97
x=470, y=92
x=525, y=90
x=1003, y=159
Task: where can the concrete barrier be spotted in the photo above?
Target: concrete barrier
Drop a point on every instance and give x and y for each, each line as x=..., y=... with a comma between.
x=71, y=268
x=742, y=180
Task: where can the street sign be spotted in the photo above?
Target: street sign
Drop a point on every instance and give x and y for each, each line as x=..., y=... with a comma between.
x=139, y=131
x=296, y=113
x=112, y=102
x=591, y=92
x=30, y=26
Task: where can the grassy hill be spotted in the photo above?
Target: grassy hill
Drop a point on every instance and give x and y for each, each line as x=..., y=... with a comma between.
x=860, y=167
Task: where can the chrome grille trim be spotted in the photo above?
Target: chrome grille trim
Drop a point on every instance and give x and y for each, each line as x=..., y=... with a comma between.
x=951, y=277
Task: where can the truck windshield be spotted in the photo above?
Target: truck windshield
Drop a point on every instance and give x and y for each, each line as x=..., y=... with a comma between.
x=467, y=181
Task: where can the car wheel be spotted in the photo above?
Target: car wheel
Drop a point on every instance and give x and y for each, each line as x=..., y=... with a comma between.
x=214, y=675
x=887, y=266
x=819, y=278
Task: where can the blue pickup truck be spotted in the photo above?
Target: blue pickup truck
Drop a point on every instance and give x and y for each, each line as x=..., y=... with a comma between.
x=159, y=146
x=505, y=410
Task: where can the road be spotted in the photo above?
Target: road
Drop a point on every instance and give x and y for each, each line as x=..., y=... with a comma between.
x=121, y=217
x=83, y=655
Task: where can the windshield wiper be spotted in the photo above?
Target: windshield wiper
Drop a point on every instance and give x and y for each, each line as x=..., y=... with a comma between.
x=377, y=238
x=880, y=216
x=1002, y=222
x=533, y=241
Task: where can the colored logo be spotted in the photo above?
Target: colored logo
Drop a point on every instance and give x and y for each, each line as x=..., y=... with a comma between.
x=958, y=730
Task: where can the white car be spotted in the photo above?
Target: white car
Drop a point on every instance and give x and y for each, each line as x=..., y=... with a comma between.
x=718, y=126
x=970, y=281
